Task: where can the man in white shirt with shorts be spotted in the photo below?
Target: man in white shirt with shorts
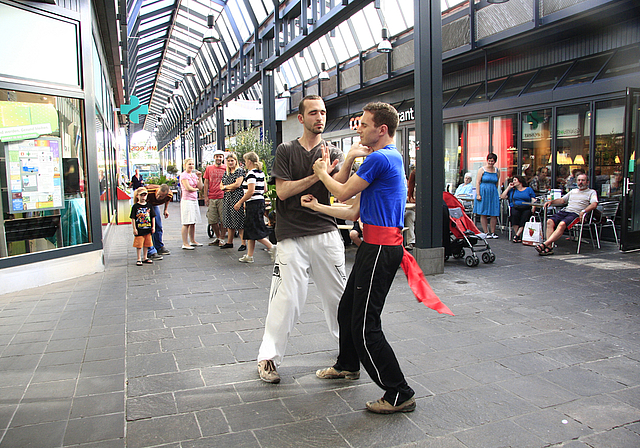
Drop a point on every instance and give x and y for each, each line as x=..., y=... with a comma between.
x=579, y=202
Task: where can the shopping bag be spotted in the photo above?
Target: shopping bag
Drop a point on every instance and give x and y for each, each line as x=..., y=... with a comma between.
x=532, y=233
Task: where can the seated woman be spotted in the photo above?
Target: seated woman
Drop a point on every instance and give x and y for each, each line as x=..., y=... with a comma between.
x=465, y=188
x=517, y=192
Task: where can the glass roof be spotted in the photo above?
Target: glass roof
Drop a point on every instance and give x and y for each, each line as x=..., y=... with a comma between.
x=163, y=33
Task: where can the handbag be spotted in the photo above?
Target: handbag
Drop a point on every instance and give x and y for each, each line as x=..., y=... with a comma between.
x=532, y=233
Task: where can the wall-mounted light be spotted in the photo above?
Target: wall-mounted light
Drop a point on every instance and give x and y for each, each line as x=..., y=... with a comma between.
x=324, y=75
x=177, y=91
x=286, y=93
x=210, y=35
x=385, y=45
x=189, y=70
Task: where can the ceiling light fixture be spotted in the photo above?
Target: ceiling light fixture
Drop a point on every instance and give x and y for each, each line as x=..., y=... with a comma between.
x=210, y=35
x=286, y=93
x=177, y=91
x=385, y=45
x=324, y=75
x=189, y=70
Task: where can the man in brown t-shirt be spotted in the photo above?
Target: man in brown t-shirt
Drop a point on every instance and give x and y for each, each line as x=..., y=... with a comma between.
x=158, y=195
x=309, y=244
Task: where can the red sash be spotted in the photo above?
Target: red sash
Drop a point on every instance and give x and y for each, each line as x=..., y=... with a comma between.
x=392, y=236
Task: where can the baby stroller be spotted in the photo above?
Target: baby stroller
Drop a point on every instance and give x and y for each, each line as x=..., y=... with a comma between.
x=463, y=233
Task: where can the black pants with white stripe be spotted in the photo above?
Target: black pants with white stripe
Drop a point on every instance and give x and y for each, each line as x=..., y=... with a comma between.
x=361, y=337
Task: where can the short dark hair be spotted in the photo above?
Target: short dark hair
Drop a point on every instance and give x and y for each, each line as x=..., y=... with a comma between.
x=492, y=156
x=384, y=113
x=301, y=106
x=522, y=180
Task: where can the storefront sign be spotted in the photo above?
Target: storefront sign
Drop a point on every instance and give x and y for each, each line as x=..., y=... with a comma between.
x=34, y=175
x=406, y=115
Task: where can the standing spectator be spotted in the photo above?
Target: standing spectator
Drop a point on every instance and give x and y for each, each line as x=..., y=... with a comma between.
x=409, y=213
x=231, y=185
x=136, y=180
x=309, y=244
x=143, y=221
x=517, y=192
x=255, y=228
x=190, y=184
x=159, y=195
x=214, y=200
x=487, y=203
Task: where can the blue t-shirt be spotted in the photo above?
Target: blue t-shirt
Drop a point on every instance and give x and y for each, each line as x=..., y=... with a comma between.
x=383, y=202
x=517, y=197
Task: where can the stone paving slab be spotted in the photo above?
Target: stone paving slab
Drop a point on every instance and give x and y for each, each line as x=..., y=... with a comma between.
x=543, y=351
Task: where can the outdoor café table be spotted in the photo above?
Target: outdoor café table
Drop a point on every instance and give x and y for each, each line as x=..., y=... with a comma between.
x=544, y=210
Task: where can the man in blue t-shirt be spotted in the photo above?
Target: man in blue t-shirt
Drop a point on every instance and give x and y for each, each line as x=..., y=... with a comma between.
x=382, y=185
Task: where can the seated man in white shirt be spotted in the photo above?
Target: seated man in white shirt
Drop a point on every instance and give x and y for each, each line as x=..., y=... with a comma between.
x=465, y=188
x=579, y=202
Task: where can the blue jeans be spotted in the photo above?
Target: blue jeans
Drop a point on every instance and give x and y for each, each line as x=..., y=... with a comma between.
x=157, y=235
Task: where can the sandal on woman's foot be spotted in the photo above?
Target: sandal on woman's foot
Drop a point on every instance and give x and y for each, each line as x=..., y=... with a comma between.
x=148, y=261
x=139, y=263
x=517, y=239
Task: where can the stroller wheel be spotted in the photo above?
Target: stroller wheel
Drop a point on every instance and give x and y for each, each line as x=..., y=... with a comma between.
x=492, y=257
x=459, y=254
x=210, y=231
x=486, y=258
x=446, y=257
x=470, y=261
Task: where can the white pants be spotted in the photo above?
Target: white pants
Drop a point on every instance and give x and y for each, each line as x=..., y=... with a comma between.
x=320, y=257
x=410, y=223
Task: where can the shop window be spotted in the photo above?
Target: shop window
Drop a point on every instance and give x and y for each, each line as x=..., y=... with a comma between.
x=548, y=77
x=447, y=95
x=624, y=62
x=44, y=201
x=536, y=142
x=609, y=149
x=514, y=85
x=477, y=144
x=503, y=139
x=572, y=144
x=454, y=167
x=584, y=70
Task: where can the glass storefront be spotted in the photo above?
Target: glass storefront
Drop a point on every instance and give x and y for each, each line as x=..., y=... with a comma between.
x=43, y=173
x=536, y=142
x=572, y=145
x=609, y=142
x=453, y=156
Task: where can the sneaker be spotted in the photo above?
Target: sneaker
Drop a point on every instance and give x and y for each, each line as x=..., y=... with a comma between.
x=245, y=259
x=272, y=252
x=156, y=256
x=164, y=251
x=267, y=371
x=382, y=406
x=332, y=374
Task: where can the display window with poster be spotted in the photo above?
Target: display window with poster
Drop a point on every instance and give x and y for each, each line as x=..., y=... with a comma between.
x=43, y=166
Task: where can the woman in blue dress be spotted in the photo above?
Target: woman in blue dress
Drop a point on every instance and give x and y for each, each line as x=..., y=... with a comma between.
x=518, y=192
x=487, y=203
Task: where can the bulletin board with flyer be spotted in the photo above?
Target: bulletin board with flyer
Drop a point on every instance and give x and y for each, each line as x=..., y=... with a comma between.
x=34, y=175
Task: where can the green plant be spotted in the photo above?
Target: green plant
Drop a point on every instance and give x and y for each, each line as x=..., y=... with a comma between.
x=172, y=169
x=247, y=141
x=159, y=180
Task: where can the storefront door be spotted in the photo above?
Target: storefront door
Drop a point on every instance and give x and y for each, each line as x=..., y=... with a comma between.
x=630, y=232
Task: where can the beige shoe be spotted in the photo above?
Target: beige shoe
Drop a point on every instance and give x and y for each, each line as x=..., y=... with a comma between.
x=267, y=371
x=245, y=259
x=382, y=406
x=333, y=374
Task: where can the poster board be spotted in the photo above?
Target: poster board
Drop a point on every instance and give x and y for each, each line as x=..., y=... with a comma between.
x=34, y=175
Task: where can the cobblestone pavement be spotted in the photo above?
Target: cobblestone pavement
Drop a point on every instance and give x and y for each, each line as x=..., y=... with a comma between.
x=543, y=351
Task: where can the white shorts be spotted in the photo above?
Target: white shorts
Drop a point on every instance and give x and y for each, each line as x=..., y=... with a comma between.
x=190, y=212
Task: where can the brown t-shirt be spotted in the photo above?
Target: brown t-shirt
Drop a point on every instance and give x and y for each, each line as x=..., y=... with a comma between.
x=294, y=162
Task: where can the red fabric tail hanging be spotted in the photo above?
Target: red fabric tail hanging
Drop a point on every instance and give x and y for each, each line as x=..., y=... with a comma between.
x=421, y=289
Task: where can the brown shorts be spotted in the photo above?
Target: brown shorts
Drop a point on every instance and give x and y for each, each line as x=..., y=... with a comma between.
x=141, y=241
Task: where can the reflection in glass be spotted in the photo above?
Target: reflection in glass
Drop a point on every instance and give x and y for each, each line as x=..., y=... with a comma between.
x=536, y=142
x=453, y=156
x=609, y=148
x=572, y=146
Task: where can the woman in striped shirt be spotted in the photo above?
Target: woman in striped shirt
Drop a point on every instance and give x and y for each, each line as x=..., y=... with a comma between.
x=255, y=228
